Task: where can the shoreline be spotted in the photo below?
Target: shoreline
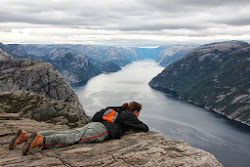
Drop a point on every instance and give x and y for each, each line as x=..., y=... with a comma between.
x=175, y=95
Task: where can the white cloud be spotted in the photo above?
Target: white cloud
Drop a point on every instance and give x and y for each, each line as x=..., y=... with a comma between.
x=124, y=22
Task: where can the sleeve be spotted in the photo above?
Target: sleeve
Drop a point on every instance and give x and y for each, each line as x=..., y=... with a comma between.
x=133, y=123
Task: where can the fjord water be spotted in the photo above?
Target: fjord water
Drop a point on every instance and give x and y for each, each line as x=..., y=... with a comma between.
x=228, y=140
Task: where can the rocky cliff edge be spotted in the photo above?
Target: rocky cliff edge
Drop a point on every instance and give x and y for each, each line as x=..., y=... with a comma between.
x=136, y=149
x=36, y=90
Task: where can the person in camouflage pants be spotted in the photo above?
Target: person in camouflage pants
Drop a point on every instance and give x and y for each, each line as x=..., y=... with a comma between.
x=108, y=123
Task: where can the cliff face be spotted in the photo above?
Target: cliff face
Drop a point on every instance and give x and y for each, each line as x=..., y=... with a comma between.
x=136, y=149
x=215, y=76
x=171, y=54
x=41, y=78
x=77, y=63
x=4, y=55
x=74, y=66
x=41, y=108
x=103, y=54
x=16, y=50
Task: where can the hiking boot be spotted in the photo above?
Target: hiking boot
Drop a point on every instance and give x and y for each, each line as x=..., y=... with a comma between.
x=21, y=137
x=34, y=140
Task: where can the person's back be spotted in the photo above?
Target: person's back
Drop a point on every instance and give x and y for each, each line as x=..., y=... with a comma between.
x=126, y=120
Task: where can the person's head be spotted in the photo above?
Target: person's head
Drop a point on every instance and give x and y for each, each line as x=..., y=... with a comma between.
x=134, y=107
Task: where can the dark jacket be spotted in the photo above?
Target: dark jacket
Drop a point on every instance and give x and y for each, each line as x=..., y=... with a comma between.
x=125, y=121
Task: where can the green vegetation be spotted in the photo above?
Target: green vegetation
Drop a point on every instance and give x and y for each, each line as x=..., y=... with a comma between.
x=217, y=77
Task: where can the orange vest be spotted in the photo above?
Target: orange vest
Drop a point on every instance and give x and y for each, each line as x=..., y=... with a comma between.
x=110, y=115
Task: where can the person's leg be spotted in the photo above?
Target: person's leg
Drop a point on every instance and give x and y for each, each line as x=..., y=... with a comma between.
x=54, y=140
x=90, y=133
x=63, y=139
x=54, y=132
x=22, y=136
x=49, y=132
x=95, y=132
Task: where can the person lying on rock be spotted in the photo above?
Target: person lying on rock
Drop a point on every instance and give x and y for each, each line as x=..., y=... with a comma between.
x=108, y=123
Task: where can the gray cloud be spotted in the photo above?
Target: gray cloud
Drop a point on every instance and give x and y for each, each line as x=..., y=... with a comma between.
x=114, y=20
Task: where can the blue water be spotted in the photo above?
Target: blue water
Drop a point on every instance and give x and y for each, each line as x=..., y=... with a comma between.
x=228, y=140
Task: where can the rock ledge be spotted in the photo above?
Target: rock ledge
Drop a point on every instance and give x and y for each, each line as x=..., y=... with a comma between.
x=136, y=149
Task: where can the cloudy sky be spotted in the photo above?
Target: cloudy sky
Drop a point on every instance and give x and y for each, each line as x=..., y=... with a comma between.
x=142, y=23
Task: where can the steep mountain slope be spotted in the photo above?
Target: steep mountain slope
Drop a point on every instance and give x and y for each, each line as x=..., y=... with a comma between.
x=73, y=63
x=4, y=55
x=52, y=93
x=112, y=54
x=170, y=54
x=215, y=76
x=104, y=54
x=73, y=66
x=101, y=54
x=16, y=50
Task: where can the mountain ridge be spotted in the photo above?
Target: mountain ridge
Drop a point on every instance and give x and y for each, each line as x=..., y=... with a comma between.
x=215, y=76
x=94, y=59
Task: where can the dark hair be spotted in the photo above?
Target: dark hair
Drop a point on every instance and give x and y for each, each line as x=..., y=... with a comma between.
x=125, y=106
x=132, y=106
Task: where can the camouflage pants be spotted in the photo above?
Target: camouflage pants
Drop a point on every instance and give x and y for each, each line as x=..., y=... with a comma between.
x=93, y=132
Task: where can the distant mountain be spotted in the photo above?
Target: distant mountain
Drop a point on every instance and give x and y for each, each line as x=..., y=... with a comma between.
x=129, y=53
x=73, y=66
x=165, y=55
x=113, y=54
x=147, y=53
x=170, y=54
x=16, y=50
x=90, y=51
x=216, y=76
x=119, y=55
x=78, y=63
x=104, y=53
x=39, y=51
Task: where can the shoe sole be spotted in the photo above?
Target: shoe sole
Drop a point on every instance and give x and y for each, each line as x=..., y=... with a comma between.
x=27, y=145
x=14, y=139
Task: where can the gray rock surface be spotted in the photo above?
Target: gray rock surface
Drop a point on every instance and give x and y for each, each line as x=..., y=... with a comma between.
x=4, y=55
x=37, y=91
x=172, y=53
x=41, y=108
x=136, y=149
x=36, y=76
x=73, y=66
